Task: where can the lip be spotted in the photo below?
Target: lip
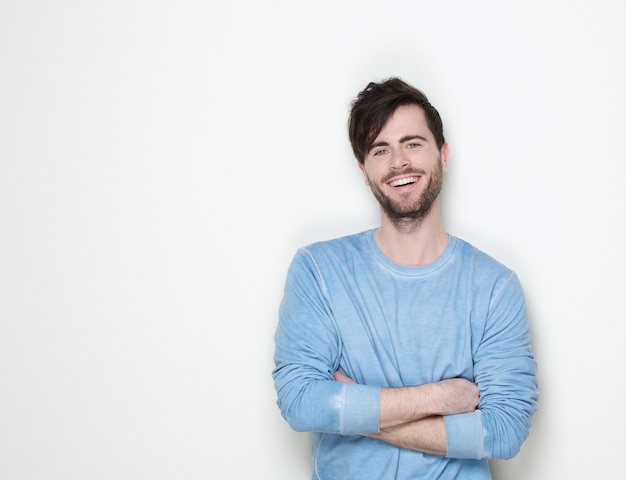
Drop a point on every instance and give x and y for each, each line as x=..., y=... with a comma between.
x=404, y=181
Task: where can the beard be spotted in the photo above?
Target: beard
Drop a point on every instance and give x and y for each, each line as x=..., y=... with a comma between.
x=403, y=211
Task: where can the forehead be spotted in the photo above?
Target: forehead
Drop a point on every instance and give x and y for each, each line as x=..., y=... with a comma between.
x=405, y=120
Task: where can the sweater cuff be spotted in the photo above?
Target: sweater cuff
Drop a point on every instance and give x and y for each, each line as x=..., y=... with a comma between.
x=360, y=409
x=465, y=435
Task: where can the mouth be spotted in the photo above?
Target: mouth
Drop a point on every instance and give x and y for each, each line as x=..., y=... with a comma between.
x=401, y=182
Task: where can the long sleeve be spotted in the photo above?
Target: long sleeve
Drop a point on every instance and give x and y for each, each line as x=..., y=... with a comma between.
x=308, y=348
x=504, y=369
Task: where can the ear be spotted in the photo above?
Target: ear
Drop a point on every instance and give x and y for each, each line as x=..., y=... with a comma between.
x=362, y=168
x=444, y=157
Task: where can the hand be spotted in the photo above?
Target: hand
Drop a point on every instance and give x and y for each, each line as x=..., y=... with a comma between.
x=340, y=377
x=455, y=395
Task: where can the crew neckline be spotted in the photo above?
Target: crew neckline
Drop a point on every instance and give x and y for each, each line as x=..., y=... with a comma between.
x=423, y=270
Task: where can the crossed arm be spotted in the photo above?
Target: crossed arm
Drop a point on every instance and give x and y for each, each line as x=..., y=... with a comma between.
x=309, y=346
x=412, y=417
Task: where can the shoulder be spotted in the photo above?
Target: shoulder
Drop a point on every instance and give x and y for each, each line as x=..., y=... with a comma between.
x=484, y=269
x=341, y=247
x=479, y=258
x=494, y=282
x=330, y=257
x=322, y=263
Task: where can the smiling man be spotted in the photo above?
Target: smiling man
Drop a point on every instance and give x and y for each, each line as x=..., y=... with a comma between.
x=401, y=160
x=403, y=349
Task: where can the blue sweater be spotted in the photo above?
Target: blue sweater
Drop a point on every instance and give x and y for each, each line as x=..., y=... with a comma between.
x=347, y=307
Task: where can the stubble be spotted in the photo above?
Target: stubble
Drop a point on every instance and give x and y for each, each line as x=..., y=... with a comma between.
x=405, y=214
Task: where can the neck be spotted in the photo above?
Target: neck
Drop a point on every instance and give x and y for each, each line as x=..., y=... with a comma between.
x=413, y=242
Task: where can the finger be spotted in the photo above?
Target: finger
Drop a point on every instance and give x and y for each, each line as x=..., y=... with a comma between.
x=340, y=377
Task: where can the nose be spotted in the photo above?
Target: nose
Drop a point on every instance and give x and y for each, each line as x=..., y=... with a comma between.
x=399, y=159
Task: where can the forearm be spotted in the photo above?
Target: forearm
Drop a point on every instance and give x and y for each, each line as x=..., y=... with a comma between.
x=427, y=435
x=403, y=405
x=412, y=417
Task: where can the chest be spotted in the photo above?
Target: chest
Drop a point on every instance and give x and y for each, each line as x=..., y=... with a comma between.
x=399, y=331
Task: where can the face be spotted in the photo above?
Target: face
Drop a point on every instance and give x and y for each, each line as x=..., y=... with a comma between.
x=404, y=167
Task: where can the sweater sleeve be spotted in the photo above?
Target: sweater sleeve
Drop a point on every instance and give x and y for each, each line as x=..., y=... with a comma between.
x=504, y=369
x=308, y=348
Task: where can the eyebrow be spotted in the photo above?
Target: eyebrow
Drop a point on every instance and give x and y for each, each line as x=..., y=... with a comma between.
x=406, y=138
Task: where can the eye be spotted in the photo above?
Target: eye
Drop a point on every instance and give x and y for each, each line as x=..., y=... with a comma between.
x=412, y=145
x=380, y=152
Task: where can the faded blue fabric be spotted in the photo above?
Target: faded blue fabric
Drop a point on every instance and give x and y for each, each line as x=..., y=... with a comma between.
x=347, y=307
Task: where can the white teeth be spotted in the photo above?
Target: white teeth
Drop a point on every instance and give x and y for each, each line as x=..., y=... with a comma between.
x=403, y=181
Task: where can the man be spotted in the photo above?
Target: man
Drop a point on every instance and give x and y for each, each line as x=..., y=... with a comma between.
x=404, y=349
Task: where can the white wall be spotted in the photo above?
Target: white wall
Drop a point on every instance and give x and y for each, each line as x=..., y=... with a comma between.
x=160, y=162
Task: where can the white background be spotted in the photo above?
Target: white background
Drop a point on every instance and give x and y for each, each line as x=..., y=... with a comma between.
x=161, y=161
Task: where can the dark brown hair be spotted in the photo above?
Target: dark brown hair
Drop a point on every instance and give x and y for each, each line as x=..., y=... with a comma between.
x=376, y=103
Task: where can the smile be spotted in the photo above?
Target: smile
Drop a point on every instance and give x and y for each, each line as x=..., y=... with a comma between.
x=403, y=181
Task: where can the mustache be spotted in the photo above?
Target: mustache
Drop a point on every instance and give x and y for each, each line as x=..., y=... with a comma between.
x=402, y=173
